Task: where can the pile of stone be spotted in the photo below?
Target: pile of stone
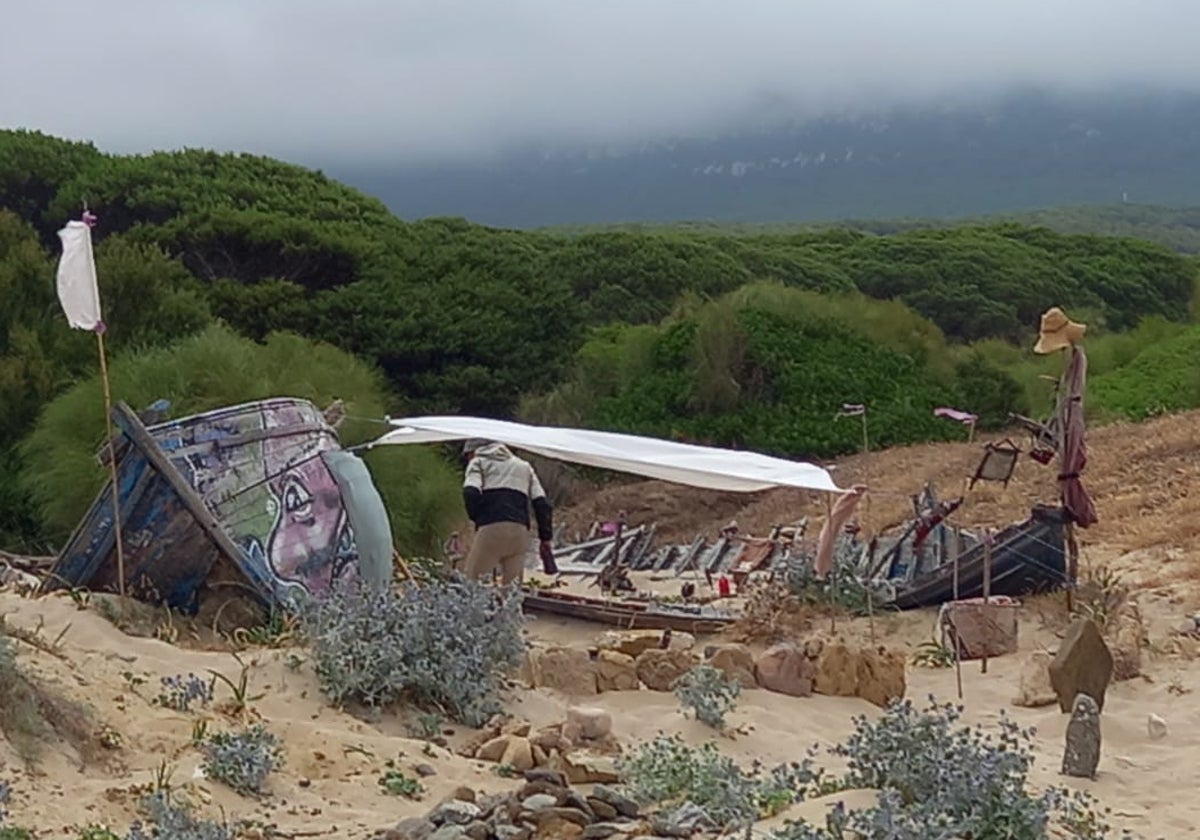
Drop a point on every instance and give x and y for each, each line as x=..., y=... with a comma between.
x=631, y=661
x=544, y=807
x=582, y=749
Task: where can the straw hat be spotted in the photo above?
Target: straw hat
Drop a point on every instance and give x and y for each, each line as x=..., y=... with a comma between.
x=1057, y=332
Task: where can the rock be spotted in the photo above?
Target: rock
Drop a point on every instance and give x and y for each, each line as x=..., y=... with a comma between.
x=636, y=642
x=413, y=828
x=542, y=774
x=659, y=669
x=511, y=832
x=1156, y=727
x=736, y=662
x=493, y=750
x=603, y=830
x=449, y=832
x=540, y=758
x=615, y=671
x=470, y=749
x=464, y=794
x=881, y=677
x=425, y=770
x=520, y=728
x=1035, y=689
x=518, y=754
x=624, y=806
x=454, y=812
x=602, y=809
x=592, y=724
x=1083, y=665
x=585, y=767
x=1127, y=643
x=684, y=821
x=573, y=815
x=550, y=738
x=836, y=671
x=568, y=670
x=554, y=827
x=1082, y=753
x=539, y=801
x=478, y=830
x=784, y=669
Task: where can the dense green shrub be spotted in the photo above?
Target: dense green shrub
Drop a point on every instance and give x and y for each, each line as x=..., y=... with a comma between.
x=1163, y=377
x=217, y=368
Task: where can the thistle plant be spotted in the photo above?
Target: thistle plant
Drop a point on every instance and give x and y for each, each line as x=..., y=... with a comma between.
x=180, y=692
x=242, y=760
x=443, y=645
x=708, y=693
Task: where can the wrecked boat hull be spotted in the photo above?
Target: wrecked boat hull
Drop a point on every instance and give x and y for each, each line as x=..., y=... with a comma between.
x=1026, y=558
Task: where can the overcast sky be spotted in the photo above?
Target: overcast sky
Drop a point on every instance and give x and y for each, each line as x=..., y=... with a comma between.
x=396, y=80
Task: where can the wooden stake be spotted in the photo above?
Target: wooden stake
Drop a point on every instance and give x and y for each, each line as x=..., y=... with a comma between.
x=112, y=464
x=987, y=584
x=866, y=439
x=1072, y=565
x=971, y=432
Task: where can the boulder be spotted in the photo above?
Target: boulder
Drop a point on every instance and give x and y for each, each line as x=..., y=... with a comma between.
x=881, y=678
x=785, y=669
x=659, y=669
x=518, y=754
x=1083, y=665
x=413, y=828
x=454, y=812
x=586, y=767
x=568, y=670
x=837, y=671
x=1126, y=647
x=736, y=662
x=616, y=671
x=493, y=750
x=636, y=642
x=585, y=723
x=1082, y=753
x=1035, y=689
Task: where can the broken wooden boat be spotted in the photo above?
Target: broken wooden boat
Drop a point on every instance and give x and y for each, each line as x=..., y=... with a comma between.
x=629, y=615
x=1025, y=558
x=256, y=504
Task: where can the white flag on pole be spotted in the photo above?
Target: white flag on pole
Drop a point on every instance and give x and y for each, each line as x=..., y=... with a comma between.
x=77, y=289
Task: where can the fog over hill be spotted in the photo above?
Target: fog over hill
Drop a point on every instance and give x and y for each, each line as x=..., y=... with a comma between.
x=1009, y=153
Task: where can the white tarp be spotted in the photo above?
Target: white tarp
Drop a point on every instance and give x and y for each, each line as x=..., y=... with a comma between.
x=77, y=290
x=682, y=463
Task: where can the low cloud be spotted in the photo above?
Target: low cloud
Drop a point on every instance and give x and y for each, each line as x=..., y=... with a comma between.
x=372, y=80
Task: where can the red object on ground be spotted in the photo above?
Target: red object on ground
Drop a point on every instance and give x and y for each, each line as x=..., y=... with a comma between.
x=723, y=588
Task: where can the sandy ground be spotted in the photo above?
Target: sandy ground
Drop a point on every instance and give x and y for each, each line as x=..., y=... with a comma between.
x=328, y=787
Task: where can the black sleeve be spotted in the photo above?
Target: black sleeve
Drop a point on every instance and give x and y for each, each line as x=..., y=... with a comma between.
x=472, y=499
x=545, y=518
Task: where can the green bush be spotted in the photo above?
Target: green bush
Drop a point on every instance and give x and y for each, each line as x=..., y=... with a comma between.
x=217, y=368
x=768, y=368
x=1163, y=377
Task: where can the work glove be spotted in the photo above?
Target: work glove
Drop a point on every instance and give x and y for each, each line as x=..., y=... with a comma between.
x=546, y=552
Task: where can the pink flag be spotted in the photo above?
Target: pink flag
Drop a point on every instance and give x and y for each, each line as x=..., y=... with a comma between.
x=77, y=289
x=955, y=414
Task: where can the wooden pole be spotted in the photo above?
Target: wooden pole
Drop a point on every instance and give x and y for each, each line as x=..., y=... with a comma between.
x=866, y=439
x=987, y=583
x=112, y=464
x=1072, y=565
x=971, y=432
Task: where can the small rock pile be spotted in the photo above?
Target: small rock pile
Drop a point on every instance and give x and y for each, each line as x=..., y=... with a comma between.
x=544, y=807
x=582, y=748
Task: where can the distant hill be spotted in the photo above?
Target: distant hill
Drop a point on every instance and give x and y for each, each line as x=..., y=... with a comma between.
x=997, y=156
